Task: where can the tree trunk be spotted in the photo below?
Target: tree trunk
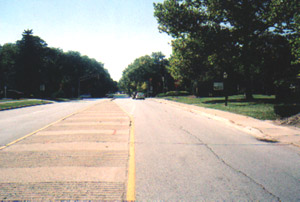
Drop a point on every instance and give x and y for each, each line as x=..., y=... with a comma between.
x=249, y=94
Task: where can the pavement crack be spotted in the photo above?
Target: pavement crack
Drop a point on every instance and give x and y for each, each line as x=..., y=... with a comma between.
x=228, y=165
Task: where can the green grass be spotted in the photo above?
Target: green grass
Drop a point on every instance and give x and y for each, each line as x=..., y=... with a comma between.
x=262, y=107
x=12, y=104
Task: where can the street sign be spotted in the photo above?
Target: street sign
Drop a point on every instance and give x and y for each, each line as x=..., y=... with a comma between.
x=218, y=86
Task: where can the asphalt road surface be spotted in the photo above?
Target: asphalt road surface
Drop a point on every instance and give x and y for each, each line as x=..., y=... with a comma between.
x=184, y=156
x=17, y=123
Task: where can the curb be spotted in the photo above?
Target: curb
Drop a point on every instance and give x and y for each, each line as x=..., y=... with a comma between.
x=22, y=106
x=257, y=133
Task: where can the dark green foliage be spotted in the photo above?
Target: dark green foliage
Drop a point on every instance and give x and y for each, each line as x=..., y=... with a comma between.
x=287, y=110
x=255, y=41
x=173, y=93
x=29, y=65
x=147, y=74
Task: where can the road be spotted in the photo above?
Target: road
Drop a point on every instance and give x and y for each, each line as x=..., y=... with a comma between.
x=184, y=156
x=17, y=123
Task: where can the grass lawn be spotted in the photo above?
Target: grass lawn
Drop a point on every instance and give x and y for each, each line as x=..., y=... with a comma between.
x=262, y=107
x=12, y=104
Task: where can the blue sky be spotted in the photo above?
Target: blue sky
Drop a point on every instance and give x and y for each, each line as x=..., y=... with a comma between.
x=114, y=32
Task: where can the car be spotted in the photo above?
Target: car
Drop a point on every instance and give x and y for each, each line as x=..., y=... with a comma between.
x=140, y=95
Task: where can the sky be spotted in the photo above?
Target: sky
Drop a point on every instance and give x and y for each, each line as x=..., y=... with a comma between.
x=114, y=32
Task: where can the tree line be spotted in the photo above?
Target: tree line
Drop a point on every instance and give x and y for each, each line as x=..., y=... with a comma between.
x=31, y=67
x=147, y=74
x=255, y=43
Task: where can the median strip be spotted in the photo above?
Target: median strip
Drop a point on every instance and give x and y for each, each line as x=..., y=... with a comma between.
x=74, y=162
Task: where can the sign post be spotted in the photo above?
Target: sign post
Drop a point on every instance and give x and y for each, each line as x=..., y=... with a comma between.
x=5, y=88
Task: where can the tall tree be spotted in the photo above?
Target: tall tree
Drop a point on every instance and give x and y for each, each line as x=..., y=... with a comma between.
x=246, y=21
x=30, y=63
x=146, y=73
x=8, y=56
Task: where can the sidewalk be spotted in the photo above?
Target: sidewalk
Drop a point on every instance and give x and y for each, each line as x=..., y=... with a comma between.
x=262, y=130
x=83, y=157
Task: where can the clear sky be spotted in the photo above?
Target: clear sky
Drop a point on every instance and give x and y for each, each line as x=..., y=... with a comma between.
x=114, y=32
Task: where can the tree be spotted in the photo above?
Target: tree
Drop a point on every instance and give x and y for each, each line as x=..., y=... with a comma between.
x=53, y=75
x=146, y=73
x=8, y=56
x=30, y=63
x=244, y=21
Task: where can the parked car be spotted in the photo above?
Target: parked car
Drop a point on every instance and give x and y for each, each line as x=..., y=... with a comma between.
x=140, y=95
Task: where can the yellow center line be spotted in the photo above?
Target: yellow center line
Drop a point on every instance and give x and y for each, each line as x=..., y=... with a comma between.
x=130, y=196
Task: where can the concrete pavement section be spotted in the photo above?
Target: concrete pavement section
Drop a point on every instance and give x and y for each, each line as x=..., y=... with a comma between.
x=83, y=157
x=262, y=130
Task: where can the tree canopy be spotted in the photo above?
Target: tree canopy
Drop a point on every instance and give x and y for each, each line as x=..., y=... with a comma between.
x=233, y=36
x=33, y=68
x=147, y=74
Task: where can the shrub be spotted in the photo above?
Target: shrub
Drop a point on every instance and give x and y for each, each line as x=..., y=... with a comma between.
x=161, y=95
x=58, y=94
x=173, y=93
x=287, y=110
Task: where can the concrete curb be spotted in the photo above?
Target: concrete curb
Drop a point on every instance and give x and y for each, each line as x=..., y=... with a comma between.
x=254, y=131
x=22, y=106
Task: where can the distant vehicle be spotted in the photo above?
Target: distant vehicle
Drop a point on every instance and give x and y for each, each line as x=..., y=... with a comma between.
x=140, y=95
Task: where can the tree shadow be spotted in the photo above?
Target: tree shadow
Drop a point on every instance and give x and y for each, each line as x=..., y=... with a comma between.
x=283, y=109
x=239, y=100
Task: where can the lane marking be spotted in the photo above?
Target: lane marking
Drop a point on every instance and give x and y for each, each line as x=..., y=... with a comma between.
x=130, y=196
x=34, y=132
x=131, y=169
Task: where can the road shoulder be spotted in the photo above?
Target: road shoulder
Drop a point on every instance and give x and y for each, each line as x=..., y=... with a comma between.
x=261, y=130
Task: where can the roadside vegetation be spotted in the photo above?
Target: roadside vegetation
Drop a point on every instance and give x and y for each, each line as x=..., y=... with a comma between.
x=260, y=107
x=13, y=104
x=215, y=46
x=217, y=51
x=31, y=69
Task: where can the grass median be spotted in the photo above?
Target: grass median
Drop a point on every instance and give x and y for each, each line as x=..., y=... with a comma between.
x=261, y=107
x=13, y=104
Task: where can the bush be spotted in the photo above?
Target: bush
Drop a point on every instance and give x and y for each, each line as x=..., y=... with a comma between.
x=161, y=95
x=287, y=110
x=173, y=93
x=58, y=94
